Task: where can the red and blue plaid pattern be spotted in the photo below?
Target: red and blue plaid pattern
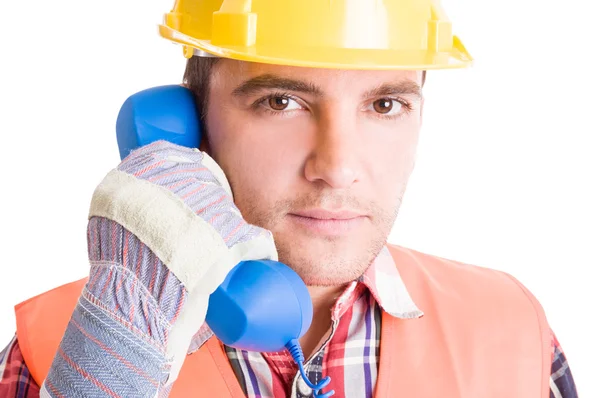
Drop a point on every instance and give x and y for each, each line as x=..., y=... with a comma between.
x=15, y=379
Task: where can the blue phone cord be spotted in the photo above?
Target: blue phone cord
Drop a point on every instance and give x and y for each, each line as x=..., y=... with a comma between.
x=294, y=348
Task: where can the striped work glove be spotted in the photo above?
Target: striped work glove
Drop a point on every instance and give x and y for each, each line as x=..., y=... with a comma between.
x=163, y=234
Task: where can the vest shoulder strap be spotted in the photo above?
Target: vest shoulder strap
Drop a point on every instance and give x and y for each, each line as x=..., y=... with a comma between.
x=483, y=333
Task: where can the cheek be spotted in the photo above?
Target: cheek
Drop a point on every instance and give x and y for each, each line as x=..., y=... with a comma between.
x=262, y=162
x=392, y=155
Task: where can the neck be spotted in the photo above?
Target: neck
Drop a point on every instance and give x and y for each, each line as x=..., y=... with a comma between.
x=323, y=298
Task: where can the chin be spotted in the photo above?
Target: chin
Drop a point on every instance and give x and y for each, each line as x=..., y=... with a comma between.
x=328, y=260
x=326, y=266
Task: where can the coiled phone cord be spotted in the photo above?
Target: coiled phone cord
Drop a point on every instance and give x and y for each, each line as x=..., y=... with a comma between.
x=294, y=348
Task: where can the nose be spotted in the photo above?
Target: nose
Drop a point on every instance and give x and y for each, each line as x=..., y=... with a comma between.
x=334, y=159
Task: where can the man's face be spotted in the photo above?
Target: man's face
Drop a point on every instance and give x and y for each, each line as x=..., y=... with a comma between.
x=319, y=157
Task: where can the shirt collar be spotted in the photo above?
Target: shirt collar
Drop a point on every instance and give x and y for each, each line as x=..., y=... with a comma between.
x=383, y=281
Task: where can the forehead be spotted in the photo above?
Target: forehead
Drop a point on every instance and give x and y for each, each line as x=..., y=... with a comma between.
x=232, y=73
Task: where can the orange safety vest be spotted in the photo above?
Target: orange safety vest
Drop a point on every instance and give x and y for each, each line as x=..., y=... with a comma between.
x=483, y=335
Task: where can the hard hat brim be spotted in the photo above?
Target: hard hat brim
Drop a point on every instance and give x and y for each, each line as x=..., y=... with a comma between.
x=333, y=58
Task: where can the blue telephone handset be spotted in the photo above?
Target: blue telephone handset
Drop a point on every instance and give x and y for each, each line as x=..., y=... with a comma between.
x=261, y=306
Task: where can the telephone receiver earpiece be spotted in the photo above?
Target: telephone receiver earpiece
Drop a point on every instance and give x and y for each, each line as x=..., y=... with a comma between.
x=158, y=113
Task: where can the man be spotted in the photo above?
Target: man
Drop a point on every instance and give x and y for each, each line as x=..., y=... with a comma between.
x=312, y=112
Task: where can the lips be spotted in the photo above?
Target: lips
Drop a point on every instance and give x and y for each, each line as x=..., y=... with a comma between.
x=322, y=214
x=330, y=223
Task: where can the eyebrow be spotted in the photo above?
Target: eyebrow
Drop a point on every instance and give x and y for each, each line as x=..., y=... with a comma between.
x=404, y=87
x=270, y=82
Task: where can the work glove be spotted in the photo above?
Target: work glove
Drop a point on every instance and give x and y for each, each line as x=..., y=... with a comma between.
x=163, y=234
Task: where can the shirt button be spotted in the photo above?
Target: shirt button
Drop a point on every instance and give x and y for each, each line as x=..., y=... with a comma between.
x=303, y=388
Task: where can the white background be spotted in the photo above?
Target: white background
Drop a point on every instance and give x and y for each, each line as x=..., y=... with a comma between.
x=508, y=174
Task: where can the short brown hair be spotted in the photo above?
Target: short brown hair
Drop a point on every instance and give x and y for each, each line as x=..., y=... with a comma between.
x=197, y=78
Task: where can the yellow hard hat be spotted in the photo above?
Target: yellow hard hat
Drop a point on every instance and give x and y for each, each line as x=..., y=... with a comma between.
x=342, y=34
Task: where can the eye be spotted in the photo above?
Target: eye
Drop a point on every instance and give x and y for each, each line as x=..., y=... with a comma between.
x=387, y=106
x=282, y=103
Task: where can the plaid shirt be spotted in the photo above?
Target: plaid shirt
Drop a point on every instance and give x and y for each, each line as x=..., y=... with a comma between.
x=349, y=353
